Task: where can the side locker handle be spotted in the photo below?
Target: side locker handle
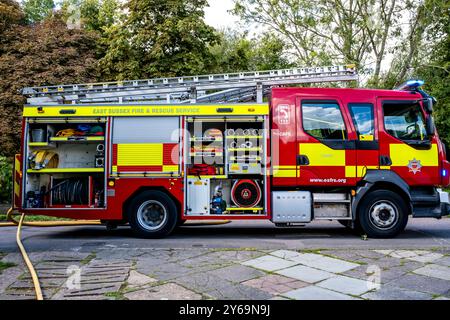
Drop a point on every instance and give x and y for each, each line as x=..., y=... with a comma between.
x=385, y=161
x=302, y=160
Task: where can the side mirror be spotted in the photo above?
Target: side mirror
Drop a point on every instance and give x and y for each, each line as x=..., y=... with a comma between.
x=428, y=104
x=430, y=128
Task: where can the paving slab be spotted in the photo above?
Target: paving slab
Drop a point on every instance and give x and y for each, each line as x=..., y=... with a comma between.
x=237, y=273
x=275, y=284
x=384, y=252
x=427, y=257
x=236, y=255
x=168, y=291
x=286, y=254
x=136, y=279
x=445, y=261
x=387, y=292
x=414, y=255
x=421, y=283
x=403, y=254
x=269, y=263
x=306, y=274
x=360, y=272
x=317, y=261
x=435, y=271
x=345, y=285
x=316, y=293
x=330, y=264
x=216, y=287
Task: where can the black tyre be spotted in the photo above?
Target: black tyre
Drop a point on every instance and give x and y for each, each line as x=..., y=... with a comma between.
x=382, y=214
x=353, y=226
x=346, y=223
x=152, y=214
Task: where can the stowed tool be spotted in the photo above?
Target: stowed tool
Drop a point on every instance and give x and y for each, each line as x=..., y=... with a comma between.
x=41, y=159
x=218, y=205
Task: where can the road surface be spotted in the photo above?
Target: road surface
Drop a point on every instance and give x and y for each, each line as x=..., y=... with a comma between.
x=420, y=233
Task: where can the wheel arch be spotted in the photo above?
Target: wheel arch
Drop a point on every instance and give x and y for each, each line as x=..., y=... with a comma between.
x=382, y=180
x=126, y=204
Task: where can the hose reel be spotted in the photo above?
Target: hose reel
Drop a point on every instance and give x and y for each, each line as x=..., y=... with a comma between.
x=246, y=193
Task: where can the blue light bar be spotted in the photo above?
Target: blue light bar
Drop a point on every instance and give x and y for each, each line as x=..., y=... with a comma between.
x=410, y=85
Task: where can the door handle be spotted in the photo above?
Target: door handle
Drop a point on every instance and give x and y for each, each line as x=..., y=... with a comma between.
x=302, y=160
x=385, y=161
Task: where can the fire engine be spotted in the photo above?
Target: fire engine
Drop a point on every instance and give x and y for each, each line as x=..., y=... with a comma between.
x=155, y=153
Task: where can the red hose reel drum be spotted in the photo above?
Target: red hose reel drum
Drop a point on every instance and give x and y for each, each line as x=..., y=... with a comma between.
x=246, y=193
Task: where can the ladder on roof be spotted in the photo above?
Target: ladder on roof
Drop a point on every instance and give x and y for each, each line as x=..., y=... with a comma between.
x=215, y=88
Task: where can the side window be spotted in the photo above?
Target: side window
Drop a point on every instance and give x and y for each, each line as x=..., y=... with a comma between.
x=404, y=121
x=323, y=120
x=362, y=115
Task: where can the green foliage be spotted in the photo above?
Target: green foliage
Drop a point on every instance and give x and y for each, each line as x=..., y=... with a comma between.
x=158, y=38
x=6, y=265
x=44, y=53
x=236, y=52
x=436, y=69
x=93, y=15
x=339, y=31
x=5, y=180
x=36, y=218
x=37, y=10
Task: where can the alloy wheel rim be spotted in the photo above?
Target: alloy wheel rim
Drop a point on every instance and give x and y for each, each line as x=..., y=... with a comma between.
x=152, y=215
x=383, y=214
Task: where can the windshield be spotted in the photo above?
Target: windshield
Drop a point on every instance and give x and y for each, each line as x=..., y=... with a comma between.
x=404, y=121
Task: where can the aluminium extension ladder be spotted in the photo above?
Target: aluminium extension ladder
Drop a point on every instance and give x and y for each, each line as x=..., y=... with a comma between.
x=215, y=88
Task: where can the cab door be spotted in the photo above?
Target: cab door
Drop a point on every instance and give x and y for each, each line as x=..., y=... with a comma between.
x=405, y=147
x=367, y=144
x=326, y=143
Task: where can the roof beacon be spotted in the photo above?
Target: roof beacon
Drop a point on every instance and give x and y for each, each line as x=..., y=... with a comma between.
x=410, y=85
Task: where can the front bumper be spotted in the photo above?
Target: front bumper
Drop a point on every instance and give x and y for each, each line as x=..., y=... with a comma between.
x=436, y=206
x=444, y=199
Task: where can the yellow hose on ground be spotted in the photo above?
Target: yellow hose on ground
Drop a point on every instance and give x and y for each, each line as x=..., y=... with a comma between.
x=20, y=223
x=13, y=222
x=37, y=286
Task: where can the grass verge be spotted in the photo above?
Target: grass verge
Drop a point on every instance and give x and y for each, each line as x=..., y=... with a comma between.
x=35, y=218
x=6, y=265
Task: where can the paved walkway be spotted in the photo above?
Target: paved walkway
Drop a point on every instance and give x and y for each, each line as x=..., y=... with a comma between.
x=201, y=273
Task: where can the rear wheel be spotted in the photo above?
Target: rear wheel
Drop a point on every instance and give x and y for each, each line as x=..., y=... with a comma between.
x=382, y=214
x=152, y=214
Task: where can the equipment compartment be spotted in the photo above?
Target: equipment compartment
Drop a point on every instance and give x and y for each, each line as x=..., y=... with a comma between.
x=65, y=164
x=225, y=166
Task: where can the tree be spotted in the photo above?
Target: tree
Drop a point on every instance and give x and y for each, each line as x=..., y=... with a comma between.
x=37, y=10
x=45, y=53
x=158, y=38
x=334, y=31
x=236, y=52
x=434, y=64
x=93, y=15
x=10, y=14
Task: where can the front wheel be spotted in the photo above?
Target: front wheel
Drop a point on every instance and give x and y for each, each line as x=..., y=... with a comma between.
x=382, y=214
x=152, y=214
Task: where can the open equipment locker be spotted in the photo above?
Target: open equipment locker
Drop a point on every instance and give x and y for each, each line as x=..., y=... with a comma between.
x=78, y=158
x=200, y=188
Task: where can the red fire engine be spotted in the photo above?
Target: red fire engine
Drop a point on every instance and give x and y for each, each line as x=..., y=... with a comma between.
x=155, y=153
